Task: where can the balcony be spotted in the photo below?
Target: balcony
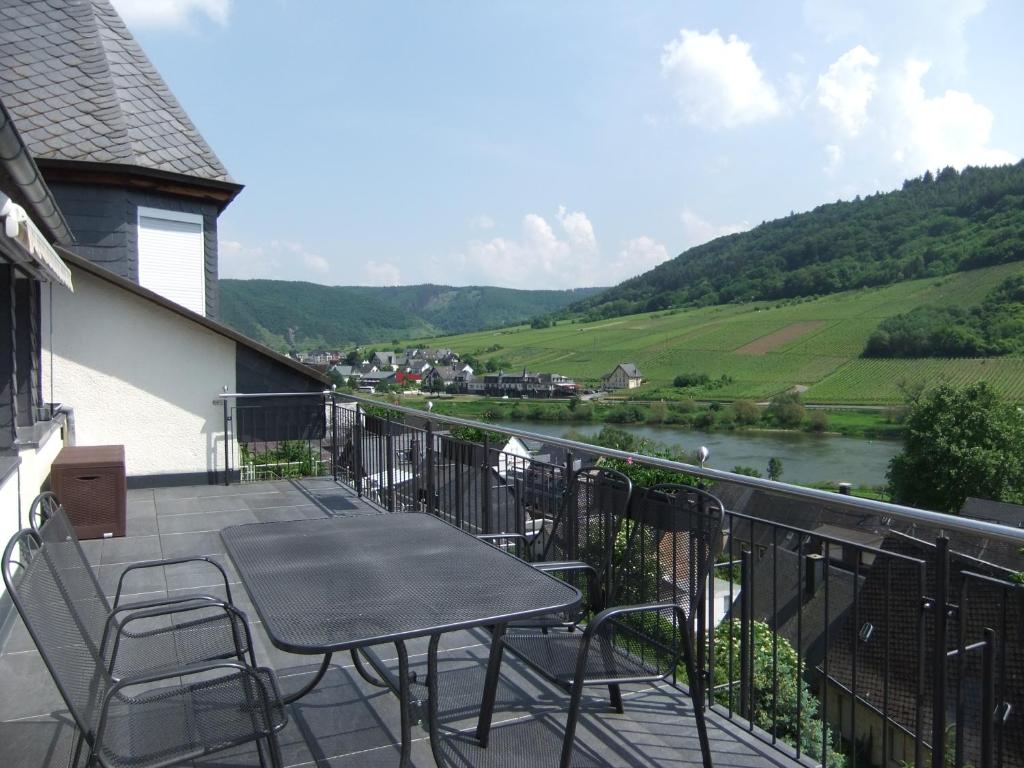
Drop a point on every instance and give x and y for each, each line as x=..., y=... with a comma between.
x=344, y=722
x=842, y=590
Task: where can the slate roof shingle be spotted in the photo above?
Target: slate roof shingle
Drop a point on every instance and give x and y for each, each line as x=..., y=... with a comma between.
x=81, y=88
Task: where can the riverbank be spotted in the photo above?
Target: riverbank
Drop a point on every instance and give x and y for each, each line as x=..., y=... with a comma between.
x=740, y=416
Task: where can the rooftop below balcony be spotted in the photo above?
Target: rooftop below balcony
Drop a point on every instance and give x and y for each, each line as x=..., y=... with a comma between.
x=345, y=722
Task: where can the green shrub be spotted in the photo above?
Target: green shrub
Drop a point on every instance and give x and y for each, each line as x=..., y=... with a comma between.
x=791, y=689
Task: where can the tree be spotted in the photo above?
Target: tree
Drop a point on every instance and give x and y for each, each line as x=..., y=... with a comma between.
x=774, y=468
x=959, y=442
x=745, y=412
x=782, y=700
x=786, y=410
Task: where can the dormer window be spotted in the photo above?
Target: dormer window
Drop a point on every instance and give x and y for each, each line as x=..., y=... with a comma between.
x=171, y=256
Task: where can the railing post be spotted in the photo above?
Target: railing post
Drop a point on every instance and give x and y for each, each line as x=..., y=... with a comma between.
x=485, y=487
x=746, y=631
x=941, y=608
x=334, y=436
x=988, y=698
x=227, y=442
x=357, y=451
x=430, y=468
x=571, y=512
x=389, y=462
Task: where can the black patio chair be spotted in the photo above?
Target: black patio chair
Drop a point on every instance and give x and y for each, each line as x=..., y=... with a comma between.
x=169, y=715
x=213, y=629
x=622, y=644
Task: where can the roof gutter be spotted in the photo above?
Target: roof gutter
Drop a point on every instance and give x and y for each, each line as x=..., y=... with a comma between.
x=19, y=165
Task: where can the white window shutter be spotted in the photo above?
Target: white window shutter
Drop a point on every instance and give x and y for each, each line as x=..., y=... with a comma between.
x=172, y=260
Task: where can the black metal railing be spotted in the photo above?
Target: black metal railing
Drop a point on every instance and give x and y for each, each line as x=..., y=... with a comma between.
x=850, y=631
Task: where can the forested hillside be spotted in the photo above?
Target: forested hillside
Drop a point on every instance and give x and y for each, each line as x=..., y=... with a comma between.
x=286, y=314
x=992, y=328
x=934, y=225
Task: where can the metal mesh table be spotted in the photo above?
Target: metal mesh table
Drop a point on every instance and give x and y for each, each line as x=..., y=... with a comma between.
x=336, y=584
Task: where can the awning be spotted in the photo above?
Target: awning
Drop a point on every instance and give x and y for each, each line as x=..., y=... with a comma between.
x=20, y=228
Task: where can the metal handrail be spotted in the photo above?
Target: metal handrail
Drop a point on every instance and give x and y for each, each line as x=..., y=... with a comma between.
x=939, y=520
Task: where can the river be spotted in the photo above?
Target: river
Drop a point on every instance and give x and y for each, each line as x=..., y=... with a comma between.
x=805, y=458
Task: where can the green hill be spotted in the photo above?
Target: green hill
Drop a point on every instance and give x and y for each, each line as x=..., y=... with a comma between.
x=288, y=314
x=933, y=226
x=763, y=348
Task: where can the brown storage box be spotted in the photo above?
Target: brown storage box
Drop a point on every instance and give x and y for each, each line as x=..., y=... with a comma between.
x=90, y=483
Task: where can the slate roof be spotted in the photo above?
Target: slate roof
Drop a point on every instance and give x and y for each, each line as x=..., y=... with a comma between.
x=82, y=89
x=890, y=602
x=630, y=370
x=994, y=512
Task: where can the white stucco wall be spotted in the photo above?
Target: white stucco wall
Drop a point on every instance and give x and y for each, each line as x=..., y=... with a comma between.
x=9, y=520
x=137, y=374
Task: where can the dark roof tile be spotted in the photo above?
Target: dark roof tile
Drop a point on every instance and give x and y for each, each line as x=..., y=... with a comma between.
x=77, y=81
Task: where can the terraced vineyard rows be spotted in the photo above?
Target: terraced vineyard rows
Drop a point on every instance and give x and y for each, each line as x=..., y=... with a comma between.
x=821, y=354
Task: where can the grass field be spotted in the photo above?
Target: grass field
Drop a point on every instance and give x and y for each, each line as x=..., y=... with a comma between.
x=813, y=344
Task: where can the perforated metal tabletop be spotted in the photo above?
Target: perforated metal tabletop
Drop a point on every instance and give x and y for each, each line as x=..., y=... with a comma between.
x=341, y=583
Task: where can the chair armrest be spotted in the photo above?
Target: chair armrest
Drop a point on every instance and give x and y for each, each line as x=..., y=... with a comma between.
x=610, y=614
x=494, y=539
x=143, y=604
x=621, y=610
x=235, y=616
x=171, y=561
x=557, y=566
x=268, y=698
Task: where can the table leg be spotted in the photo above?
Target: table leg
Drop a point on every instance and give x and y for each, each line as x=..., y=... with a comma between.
x=435, y=735
x=483, y=728
x=357, y=662
x=312, y=683
x=403, y=698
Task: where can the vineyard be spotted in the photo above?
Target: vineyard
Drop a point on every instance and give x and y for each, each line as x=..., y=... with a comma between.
x=814, y=344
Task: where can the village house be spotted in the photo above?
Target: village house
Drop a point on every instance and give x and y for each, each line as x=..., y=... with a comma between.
x=625, y=376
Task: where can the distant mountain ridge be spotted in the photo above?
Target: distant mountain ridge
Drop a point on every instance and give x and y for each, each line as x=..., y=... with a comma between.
x=934, y=225
x=285, y=314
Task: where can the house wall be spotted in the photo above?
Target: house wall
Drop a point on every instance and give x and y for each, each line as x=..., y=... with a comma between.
x=21, y=481
x=140, y=375
x=105, y=222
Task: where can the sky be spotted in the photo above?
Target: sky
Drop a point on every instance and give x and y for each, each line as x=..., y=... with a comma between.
x=559, y=144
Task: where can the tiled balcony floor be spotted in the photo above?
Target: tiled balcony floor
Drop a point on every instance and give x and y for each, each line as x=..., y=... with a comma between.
x=346, y=722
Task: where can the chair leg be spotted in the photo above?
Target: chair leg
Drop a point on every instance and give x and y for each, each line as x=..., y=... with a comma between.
x=615, y=694
x=276, y=761
x=696, y=696
x=575, y=700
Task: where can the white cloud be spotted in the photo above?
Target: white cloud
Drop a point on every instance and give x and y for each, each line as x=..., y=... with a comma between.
x=934, y=30
x=276, y=260
x=381, y=273
x=579, y=229
x=847, y=87
x=717, y=82
x=538, y=257
x=697, y=230
x=931, y=132
x=317, y=264
x=483, y=221
x=636, y=257
x=171, y=13
x=833, y=159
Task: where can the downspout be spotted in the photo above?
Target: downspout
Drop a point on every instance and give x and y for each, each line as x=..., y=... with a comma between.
x=18, y=163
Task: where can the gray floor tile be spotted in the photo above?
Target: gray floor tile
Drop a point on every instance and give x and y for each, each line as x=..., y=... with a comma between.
x=130, y=549
x=138, y=581
x=27, y=674
x=204, y=521
x=33, y=743
x=220, y=503
x=196, y=574
x=182, y=544
x=280, y=514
